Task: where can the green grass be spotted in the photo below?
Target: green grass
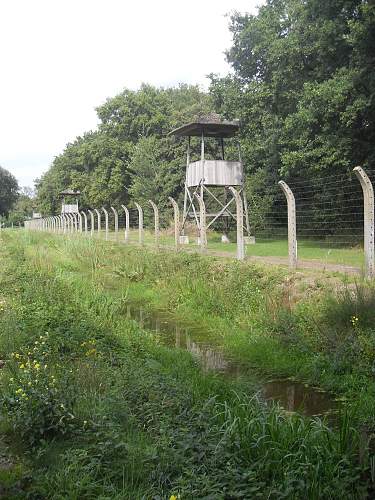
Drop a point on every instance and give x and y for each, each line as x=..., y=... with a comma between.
x=129, y=418
x=324, y=251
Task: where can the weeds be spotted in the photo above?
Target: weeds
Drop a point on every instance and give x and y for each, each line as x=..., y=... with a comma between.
x=147, y=423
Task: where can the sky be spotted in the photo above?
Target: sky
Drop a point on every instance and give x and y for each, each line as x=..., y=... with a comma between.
x=59, y=59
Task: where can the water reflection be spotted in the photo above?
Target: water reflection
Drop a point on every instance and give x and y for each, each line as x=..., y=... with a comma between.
x=293, y=396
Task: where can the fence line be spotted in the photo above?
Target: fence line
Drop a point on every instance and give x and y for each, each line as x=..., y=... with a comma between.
x=300, y=218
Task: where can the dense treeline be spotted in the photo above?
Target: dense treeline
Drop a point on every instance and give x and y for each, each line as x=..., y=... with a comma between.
x=303, y=87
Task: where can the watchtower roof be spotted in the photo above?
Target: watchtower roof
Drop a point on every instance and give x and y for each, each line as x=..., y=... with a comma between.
x=70, y=192
x=210, y=125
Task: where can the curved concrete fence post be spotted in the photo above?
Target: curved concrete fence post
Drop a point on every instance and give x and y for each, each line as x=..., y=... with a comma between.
x=239, y=216
x=127, y=223
x=156, y=222
x=140, y=223
x=176, y=216
x=63, y=223
x=67, y=218
x=99, y=221
x=71, y=222
x=66, y=223
x=292, y=225
x=92, y=223
x=202, y=223
x=106, y=223
x=85, y=222
x=368, y=220
x=79, y=215
x=75, y=223
x=116, y=222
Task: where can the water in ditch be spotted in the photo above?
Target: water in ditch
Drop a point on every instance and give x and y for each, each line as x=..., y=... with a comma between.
x=291, y=395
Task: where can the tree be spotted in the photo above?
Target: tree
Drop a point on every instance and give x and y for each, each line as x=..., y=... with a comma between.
x=303, y=88
x=8, y=191
x=105, y=163
x=23, y=208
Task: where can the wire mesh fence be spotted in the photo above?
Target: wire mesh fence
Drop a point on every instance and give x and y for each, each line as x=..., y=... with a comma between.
x=329, y=219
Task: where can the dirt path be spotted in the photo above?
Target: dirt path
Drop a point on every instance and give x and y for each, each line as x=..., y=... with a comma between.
x=315, y=265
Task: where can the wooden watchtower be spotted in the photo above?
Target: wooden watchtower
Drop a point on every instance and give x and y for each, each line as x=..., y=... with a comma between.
x=211, y=178
x=69, y=208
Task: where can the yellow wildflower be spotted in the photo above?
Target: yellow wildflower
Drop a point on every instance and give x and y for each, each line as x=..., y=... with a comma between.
x=22, y=366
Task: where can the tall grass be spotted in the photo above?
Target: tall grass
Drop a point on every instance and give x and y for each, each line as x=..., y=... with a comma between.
x=140, y=420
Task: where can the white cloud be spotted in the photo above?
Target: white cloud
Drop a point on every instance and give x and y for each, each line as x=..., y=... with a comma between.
x=61, y=58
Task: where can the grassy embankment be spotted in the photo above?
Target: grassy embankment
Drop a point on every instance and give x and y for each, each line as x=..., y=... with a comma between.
x=97, y=408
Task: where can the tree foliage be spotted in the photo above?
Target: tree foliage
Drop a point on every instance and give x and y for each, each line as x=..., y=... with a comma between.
x=8, y=191
x=129, y=154
x=23, y=207
x=303, y=87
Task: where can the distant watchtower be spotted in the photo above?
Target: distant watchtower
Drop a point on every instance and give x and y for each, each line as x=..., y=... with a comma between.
x=211, y=178
x=69, y=208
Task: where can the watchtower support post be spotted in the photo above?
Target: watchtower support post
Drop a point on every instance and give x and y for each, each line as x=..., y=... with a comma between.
x=202, y=223
x=239, y=214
